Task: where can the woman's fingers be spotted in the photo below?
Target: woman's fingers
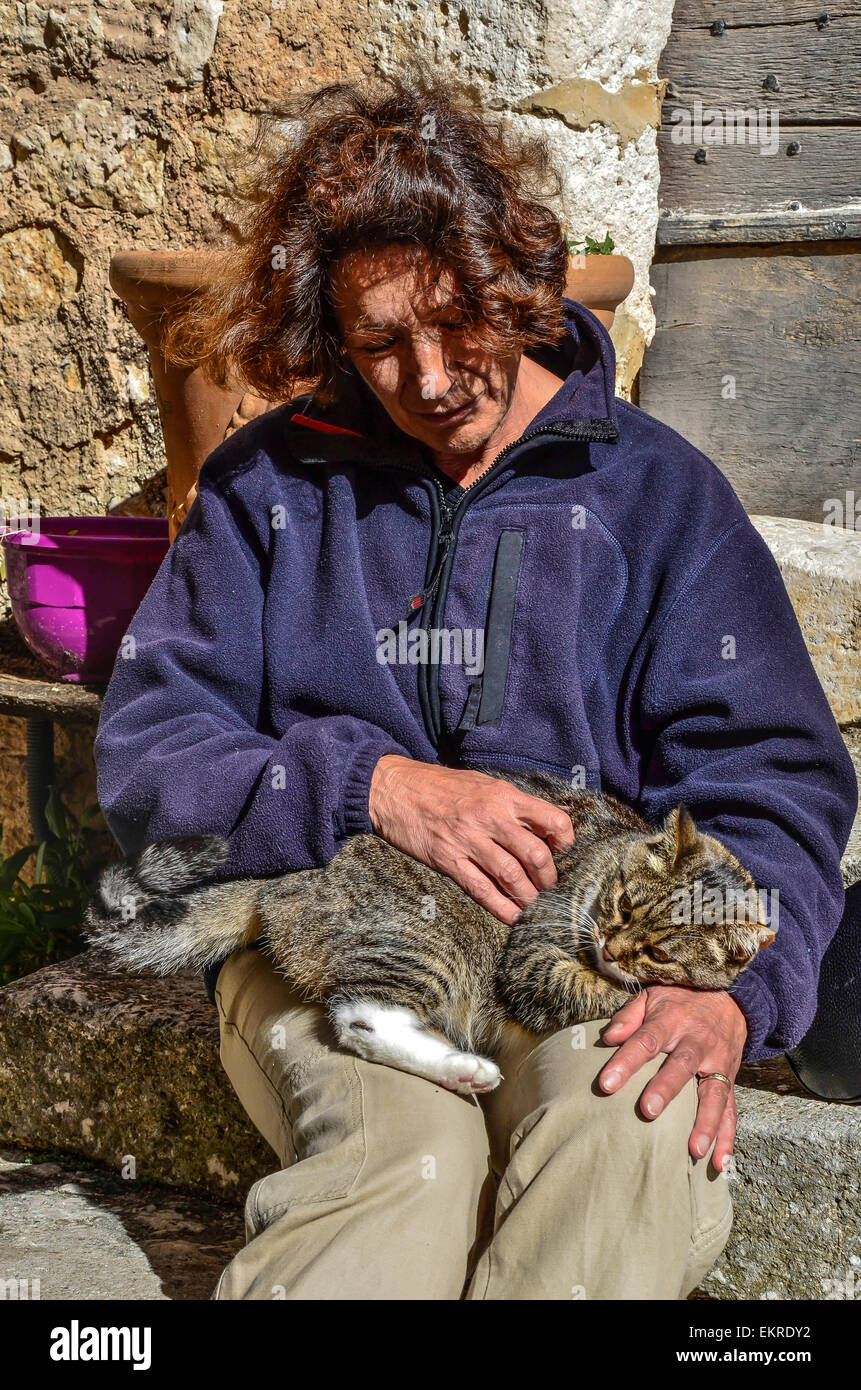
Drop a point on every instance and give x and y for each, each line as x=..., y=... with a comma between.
x=532, y=854
x=725, y=1142
x=544, y=820
x=508, y=872
x=713, y=1097
x=626, y=1020
x=484, y=890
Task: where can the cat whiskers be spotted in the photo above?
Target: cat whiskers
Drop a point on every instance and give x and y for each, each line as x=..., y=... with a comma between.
x=585, y=934
x=586, y=928
x=590, y=936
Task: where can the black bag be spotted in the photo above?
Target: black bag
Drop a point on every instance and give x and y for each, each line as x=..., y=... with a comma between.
x=828, y=1060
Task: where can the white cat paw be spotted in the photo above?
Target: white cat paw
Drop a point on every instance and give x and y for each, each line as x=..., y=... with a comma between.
x=395, y=1037
x=467, y=1074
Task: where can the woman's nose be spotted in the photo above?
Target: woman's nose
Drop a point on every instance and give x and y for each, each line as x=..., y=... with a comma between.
x=429, y=369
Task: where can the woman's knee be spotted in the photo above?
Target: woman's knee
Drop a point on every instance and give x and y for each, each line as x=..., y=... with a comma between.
x=558, y=1113
x=329, y=1111
x=377, y=1150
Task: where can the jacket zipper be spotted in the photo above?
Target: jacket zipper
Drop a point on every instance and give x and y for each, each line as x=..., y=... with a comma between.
x=429, y=599
x=445, y=536
x=443, y=541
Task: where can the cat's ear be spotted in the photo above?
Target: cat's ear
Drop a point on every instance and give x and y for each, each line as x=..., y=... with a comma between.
x=680, y=834
x=764, y=936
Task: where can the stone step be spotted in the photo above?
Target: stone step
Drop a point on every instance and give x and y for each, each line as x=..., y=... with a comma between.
x=70, y=1229
x=796, y=1190
x=119, y=1067
x=821, y=568
x=851, y=862
x=108, y=1065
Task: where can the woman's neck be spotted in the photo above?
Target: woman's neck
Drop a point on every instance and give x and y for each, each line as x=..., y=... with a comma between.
x=535, y=386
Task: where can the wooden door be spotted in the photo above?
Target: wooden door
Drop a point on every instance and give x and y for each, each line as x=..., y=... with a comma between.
x=756, y=357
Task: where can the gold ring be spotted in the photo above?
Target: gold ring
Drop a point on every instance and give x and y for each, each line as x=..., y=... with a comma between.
x=714, y=1076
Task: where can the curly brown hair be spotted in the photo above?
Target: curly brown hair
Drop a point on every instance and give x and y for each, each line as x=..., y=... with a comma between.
x=346, y=169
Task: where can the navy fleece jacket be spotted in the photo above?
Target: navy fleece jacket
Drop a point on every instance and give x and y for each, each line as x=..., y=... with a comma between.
x=637, y=628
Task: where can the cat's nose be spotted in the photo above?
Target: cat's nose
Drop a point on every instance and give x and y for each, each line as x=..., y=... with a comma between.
x=608, y=955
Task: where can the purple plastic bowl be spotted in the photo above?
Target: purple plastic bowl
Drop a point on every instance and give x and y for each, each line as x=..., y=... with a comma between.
x=77, y=584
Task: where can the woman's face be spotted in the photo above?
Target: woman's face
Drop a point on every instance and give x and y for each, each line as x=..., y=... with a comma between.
x=401, y=330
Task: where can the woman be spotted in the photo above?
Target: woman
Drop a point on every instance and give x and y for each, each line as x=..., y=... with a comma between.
x=462, y=465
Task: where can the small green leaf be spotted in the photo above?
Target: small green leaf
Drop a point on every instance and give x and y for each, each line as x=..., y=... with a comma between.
x=55, y=814
x=10, y=868
x=591, y=246
x=41, y=922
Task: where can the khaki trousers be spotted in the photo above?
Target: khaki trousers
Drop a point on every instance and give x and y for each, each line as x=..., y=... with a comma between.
x=393, y=1188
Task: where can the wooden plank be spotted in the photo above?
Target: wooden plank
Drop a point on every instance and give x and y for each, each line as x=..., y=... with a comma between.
x=816, y=69
x=695, y=14
x=35, y=699
x=703, y=229
x=738, y=178
x=757, y=360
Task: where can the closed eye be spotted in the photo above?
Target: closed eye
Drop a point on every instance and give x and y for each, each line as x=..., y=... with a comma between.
x=656, y=954
x=375, y=349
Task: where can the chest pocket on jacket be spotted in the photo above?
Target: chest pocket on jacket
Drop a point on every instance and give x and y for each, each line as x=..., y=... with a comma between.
x=555, y=591
x=487, y=692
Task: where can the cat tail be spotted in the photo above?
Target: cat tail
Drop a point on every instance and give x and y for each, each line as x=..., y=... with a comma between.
x=149, y=911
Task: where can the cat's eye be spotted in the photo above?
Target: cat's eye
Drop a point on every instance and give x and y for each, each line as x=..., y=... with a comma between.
x=656, y=954
x=625, y=907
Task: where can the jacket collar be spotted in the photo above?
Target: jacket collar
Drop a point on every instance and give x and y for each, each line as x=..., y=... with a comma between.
x=357, y=428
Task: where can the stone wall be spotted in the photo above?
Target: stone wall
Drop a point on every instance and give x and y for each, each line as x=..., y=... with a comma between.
x=122, y=124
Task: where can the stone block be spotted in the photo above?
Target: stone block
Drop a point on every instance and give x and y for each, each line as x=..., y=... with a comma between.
x=119, y=1067
x=821, y=568
x=796, y=1190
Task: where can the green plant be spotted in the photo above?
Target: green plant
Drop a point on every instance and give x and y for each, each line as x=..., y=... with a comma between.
x=590, y=246
x=42, y=921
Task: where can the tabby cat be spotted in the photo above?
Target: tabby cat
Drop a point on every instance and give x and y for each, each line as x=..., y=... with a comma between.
x=414, y=972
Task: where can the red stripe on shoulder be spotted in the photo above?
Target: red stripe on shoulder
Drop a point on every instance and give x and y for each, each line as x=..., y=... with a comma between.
x=322, y=425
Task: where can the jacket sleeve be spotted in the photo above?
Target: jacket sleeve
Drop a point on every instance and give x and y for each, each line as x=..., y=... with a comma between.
x=179, y=748
x=736, y=725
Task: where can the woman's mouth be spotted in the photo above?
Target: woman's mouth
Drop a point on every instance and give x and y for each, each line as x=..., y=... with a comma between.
x=445, y=417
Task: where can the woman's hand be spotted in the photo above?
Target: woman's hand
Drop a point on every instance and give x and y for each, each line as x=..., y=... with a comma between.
x=495, y=841
x=701, y=1031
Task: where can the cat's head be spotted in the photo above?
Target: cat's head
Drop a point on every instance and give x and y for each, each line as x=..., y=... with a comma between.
x=678, y=910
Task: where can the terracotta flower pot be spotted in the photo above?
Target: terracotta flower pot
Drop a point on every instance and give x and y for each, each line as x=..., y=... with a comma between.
x=195, y=414
x=601, y=283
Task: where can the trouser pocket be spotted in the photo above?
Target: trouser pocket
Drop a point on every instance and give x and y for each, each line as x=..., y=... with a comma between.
x=322, y=1095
